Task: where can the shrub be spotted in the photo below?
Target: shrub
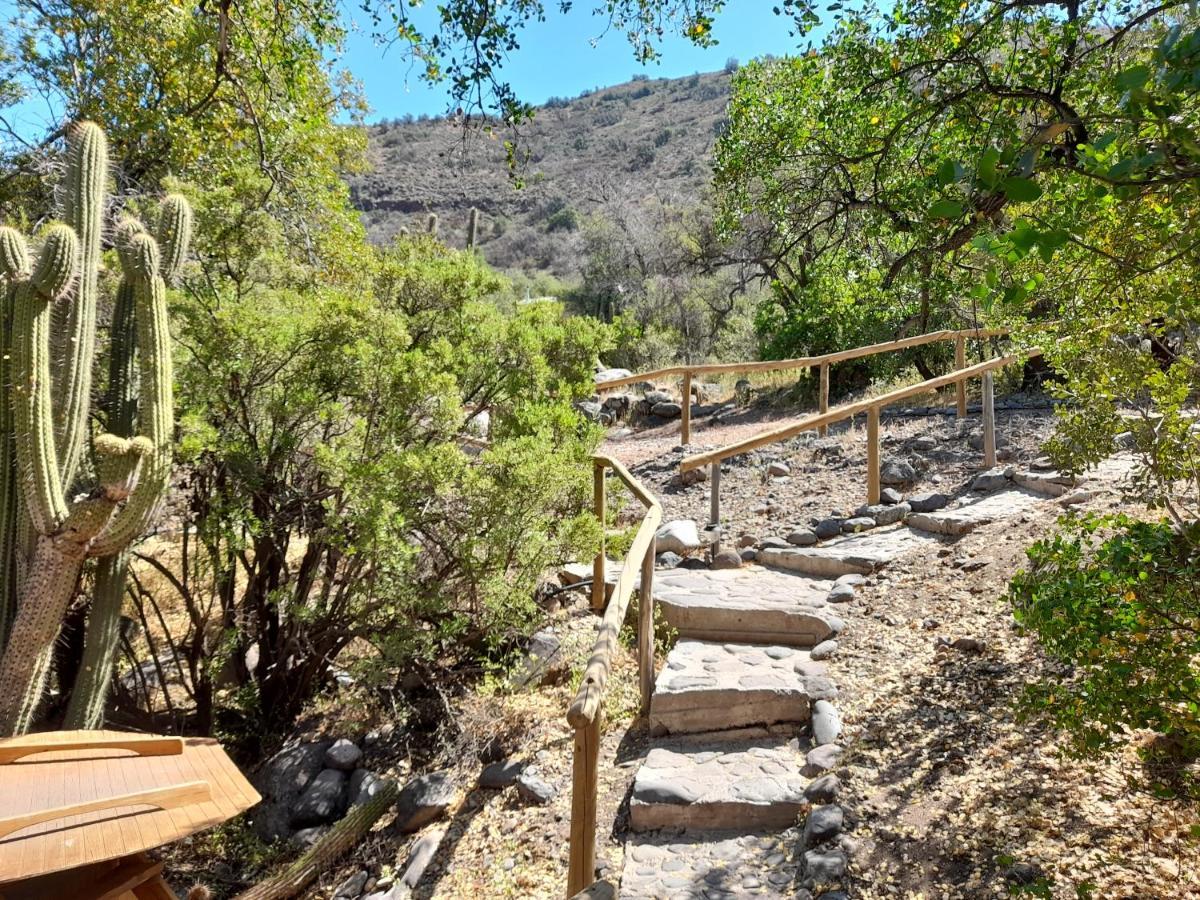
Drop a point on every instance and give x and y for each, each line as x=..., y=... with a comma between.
x=1115, y=602
x=565, y=219
x=643, y=158
x=662, y=137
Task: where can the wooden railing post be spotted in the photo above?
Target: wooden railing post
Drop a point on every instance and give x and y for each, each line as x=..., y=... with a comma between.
x=686, y=415
x=823, y=400
x=873, y=455
x=600, y=564
x=960, y=362
x=582, y=867
x=989, y=421
x=714, y=494
x=646, y=629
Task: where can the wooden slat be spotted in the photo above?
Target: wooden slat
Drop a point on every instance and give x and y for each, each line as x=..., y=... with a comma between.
x=823, y=399
x=646, y=628
x=600, y=510
x=165, y=798
x=989, y=421
x=850, y=409
x=685, y=424
x=12, y=749
x=873, y=455
x=129, y=874
x=960, y=362
x=582, y=865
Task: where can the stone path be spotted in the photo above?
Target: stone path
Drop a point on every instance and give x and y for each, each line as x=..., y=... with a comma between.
x=735, y=797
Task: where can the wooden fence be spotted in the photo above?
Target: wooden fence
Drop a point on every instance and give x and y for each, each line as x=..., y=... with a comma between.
x=585, y=713
x=806, y=362
x=872, y=407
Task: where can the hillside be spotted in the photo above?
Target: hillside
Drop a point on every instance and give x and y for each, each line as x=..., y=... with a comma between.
x=617, y=145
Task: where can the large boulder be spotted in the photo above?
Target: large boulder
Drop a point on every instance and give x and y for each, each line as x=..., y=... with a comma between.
x=897, y=471
x=322, y=801
x=606, y=375
x=667, y=409
x=544, y=661
x=681, y=536
x=423, y=800
x=281, y=781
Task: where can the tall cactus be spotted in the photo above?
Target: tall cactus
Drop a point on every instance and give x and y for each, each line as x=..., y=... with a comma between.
x=431, y=224
x=50, y=321
x=472, y=228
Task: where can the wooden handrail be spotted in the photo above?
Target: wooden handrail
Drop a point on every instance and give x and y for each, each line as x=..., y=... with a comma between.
x=802, y=362
x=584, y=713
x=848, y=410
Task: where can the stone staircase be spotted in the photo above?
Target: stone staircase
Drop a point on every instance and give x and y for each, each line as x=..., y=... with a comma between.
x=742, y=716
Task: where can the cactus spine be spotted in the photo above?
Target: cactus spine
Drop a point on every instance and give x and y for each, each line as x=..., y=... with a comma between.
x=472, y=228
x=45, y=418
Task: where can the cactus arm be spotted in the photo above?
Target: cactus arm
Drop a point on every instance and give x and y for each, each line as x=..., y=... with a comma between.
x=431, y=224
x=75, y=333
x=472, y=228
x=174, y=235
x=156, y=401
x=10, y=486
x=14, y=254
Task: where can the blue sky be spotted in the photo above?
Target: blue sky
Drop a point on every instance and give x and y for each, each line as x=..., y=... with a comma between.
x=559, y=57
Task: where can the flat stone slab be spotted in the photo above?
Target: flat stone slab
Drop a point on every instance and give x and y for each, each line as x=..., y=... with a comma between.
x=859, y=554
x=720, y=866
x=739, y=785
x=707, y=686
x=746, y=605
x=970, y=515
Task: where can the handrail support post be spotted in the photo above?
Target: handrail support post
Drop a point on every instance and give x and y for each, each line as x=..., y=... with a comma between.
x=989, y=421
x=600, y=564
x=685, y=426
x=714, y=495
x=960, y=362
x=823, y=400
x=582, y=867
x=646, y=628
x=873, y=455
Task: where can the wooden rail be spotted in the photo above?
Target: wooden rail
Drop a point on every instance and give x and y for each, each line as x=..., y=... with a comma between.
x=822, y=362
x=872, y=407
x=585, y=712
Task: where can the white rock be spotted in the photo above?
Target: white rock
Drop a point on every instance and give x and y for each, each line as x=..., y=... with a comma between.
x=680, y=536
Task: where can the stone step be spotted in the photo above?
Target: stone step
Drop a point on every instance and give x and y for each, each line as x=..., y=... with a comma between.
x=707, y=686
x=859, y=554
x=747, y=605
x=741, y=785
x=719, y=866
x=969, y=515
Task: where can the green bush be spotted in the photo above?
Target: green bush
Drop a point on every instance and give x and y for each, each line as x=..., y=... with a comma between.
x=565, y=219
x=1115, y=602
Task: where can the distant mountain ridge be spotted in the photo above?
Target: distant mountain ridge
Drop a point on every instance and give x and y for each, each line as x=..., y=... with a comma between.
x=645, y=138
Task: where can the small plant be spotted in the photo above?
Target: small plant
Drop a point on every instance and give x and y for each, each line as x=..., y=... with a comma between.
x=643, y=158
x=565, y=219
x=1115, y=602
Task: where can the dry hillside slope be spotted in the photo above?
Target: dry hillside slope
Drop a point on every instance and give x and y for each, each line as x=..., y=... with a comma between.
x=621, y=144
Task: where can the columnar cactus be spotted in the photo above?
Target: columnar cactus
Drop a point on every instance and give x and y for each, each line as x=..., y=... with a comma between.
x=50, y=326
x=472, y=228
x=431, y=224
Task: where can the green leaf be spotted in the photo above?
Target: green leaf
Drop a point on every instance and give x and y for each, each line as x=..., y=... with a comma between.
x=946, y=209
x=1133, y=78
x=1020, y=190
x=987, y=166
x=948, y=173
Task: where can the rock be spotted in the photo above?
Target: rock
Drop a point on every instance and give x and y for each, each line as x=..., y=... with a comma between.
x=364, y=785
x=820, y=687
x=1023, y=873
x=501, y=775
x=803, y=537
x=975, y=441
x=749, y=554
x=897, y=471
x=692, y=476
x=668, y=560
x=322, y=801
x=281, y=781
x=824, y=868
x=534, y=789
x=1075, y=497
x=305, y=838
x=923, y=444
x=746, y=540
x=667, y=409
x=974, y=565
x=606, y=375
x=824, y=823
x=693, y=563
x=824, y=650
x=742, y=390
x=827, y=528
x=1124, y=441
x=589, y=409
x=654, y=396
x=773, y=543
x=352, y=887
x=841, y=593
x=858, y=523
x=824, y=789
x=890, y=496
x=680, y=536
x=727, y=559
x=826, y=723
x=883, y=514
x=544, y=661
x=930, y=502
x=423, y=800
x=967, y=645
x=991, y=480
x=421, y=856
x=343, y=754
x=820, y=760
x=778, y=469
x=851, y=578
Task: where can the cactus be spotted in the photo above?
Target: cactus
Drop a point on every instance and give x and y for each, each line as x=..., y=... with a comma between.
x=472, y=228
x=50, y=327
x=431, y=224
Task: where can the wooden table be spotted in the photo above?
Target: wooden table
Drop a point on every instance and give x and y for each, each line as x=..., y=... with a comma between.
x=78, y=810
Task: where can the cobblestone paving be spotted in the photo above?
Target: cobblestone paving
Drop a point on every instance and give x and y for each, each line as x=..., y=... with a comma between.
x=752, y=784
x=975, y=512
x=751, y=604
x=858, y=554
x=721, y=866
x=706, y=686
